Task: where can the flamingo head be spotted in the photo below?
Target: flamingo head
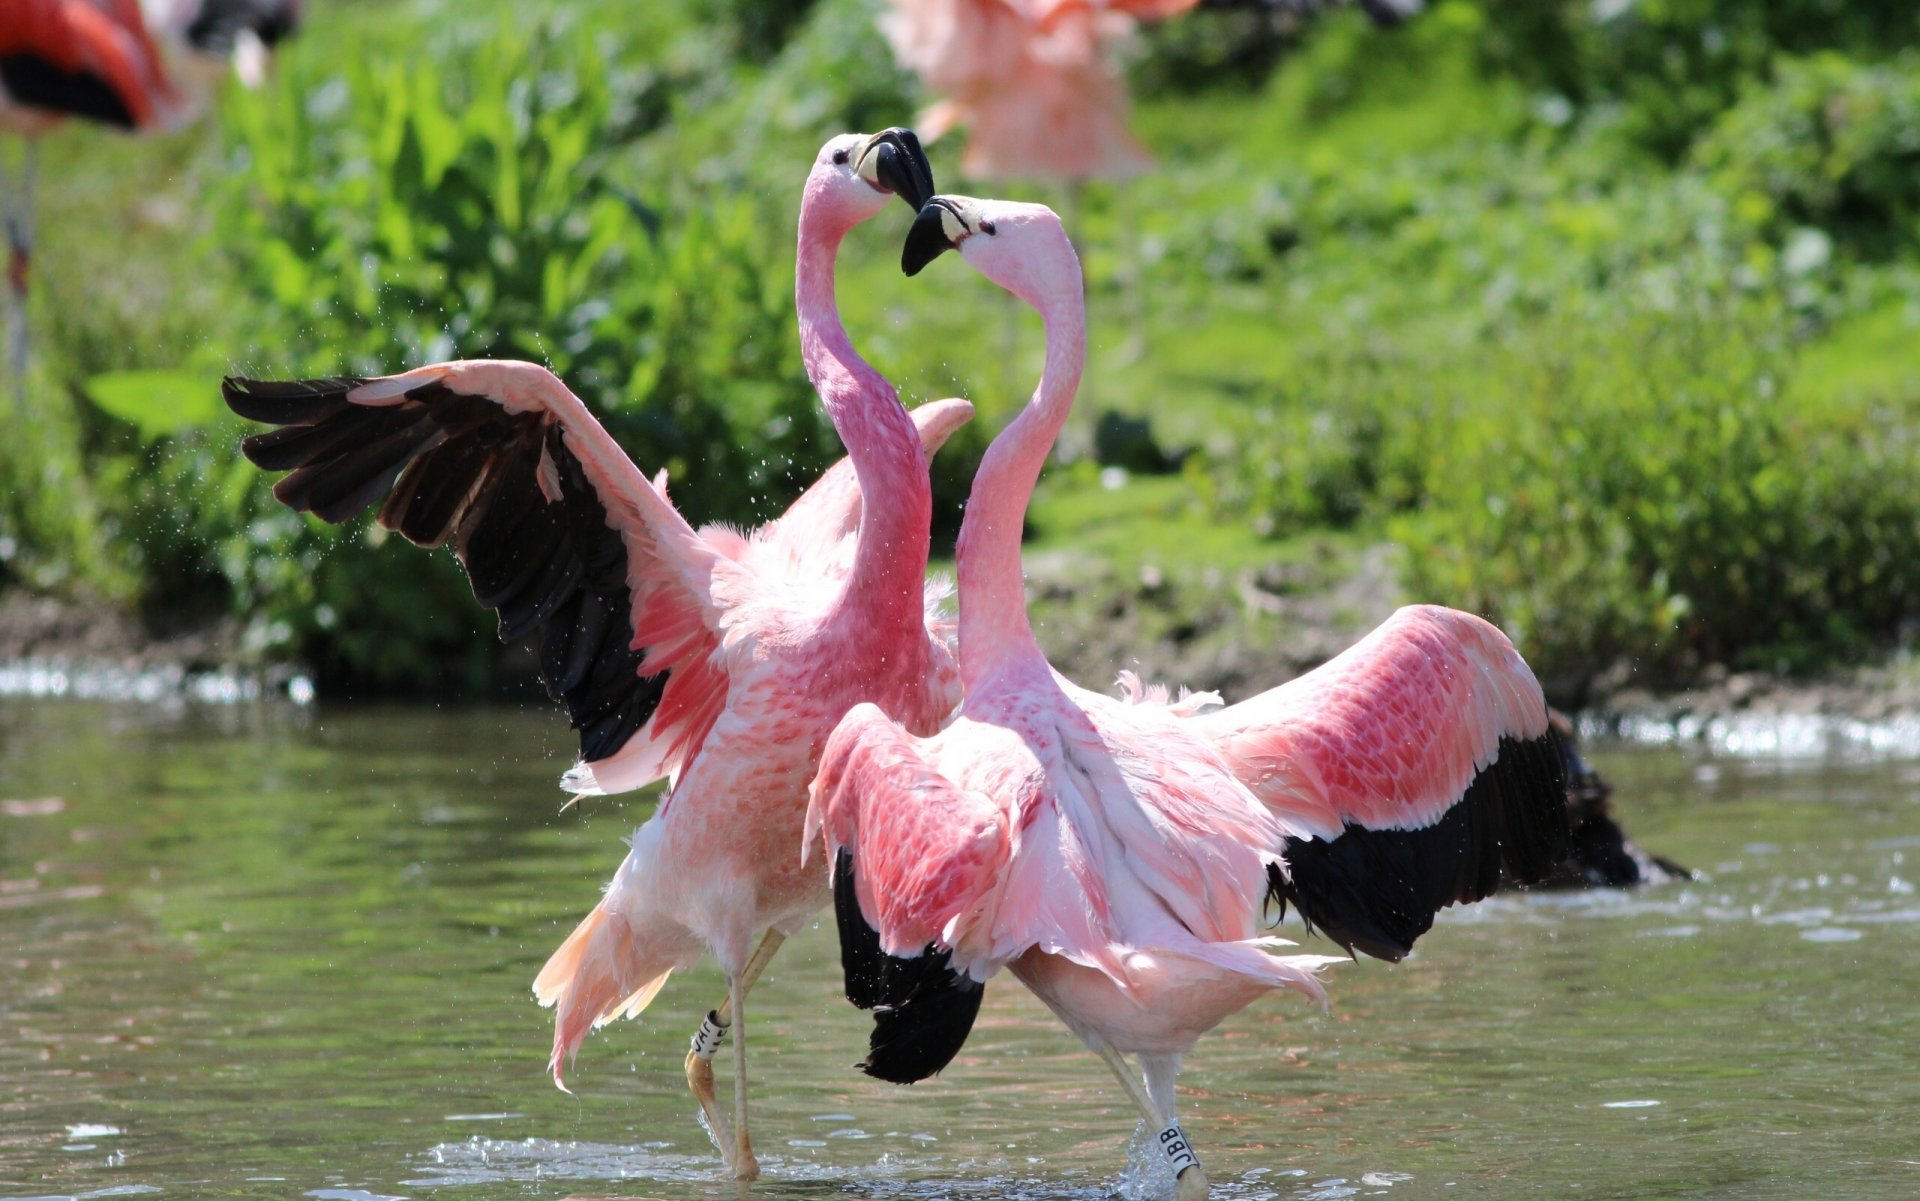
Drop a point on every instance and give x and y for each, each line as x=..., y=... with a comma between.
x=1021, y=247
x=242, y=33
x=859, y=171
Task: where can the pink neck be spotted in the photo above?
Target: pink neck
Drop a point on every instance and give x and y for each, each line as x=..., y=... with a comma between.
x=890, y=562
x=993, y=602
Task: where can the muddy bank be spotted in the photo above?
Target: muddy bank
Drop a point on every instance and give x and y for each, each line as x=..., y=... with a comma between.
x=1235, y=633
x=46, y=629
x=55, y=647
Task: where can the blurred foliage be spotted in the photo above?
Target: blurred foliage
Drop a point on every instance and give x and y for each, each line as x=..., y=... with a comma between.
x=1830, y=144
x=1600, y=308
x=386, y=216
x=1648, y=485
x=1666, y=69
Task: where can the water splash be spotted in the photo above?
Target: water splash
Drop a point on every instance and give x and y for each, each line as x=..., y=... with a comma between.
x=1808, y=737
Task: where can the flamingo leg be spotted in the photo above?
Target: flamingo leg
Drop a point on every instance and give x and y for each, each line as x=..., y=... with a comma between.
x=1154, y=1099
x=19, y=223
x=745, y=1167
x=713, y=1032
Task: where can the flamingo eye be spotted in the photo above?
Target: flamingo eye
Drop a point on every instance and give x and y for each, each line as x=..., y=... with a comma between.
x=839, y=157
x=986, y=227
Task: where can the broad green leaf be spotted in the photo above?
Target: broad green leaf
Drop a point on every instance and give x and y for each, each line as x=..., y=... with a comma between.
x=159, y=402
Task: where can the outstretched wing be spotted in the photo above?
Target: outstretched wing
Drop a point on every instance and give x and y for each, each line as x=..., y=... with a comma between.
x=558, y=532
x=912, y=854
x=1420, y=761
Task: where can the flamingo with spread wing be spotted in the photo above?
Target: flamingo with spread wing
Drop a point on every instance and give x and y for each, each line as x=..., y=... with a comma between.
x=1116, y=854
x=718, y=659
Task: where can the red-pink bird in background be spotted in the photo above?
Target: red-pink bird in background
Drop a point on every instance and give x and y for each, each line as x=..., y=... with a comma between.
x=81, y=58
x=1033, y=81
x=108, y=61
x=718, y=659
x=1116, y=854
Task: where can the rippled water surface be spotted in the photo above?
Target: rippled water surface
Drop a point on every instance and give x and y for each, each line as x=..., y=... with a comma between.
x=267, y=951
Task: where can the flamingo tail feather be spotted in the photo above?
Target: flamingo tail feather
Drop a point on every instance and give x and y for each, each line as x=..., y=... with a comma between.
x=600, y=973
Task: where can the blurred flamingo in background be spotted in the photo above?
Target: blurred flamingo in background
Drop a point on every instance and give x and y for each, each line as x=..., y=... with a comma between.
x=1117, y=854
x=62, y=58
x=718, y=659
x=1033, y=81
x=117, y=63
x=1037, y=83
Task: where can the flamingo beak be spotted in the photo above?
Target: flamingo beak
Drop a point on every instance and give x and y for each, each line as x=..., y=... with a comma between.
x=892, y=161
x=250, y=58
x=938, y=229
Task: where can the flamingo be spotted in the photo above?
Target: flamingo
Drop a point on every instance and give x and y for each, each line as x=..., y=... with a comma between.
x=1032, y=80
x=1116, y=854
x=1035, y=81
x=98, y=60
x=716, y=658
x=61, y=58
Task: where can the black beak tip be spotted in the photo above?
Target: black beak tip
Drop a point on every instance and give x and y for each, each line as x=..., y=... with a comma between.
x=902, y=166
x=926, y=241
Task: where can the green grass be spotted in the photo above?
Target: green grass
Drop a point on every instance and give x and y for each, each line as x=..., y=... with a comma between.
x=1867, y=356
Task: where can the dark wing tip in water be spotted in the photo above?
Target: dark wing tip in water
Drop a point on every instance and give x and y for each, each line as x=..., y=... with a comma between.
x=1599, y=853
x=462, y=468
x=923, y=1009
x=1376, y=891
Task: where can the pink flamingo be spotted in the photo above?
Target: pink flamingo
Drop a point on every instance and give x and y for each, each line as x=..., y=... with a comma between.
x=61, y=59
x=77, y=58
x=718, y=659
x=98, y=60
x=1116, y=854
x=1032, y=80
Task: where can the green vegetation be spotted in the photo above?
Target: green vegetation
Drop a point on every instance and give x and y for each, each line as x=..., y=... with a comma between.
x=1601, y=311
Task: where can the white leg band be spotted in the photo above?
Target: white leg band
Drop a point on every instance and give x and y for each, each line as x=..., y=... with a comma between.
x=1173, y=1144
x=710, y=1036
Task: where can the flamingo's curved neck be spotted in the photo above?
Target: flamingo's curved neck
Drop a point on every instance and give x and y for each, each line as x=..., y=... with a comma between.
x=896, y=514
x=993, y=602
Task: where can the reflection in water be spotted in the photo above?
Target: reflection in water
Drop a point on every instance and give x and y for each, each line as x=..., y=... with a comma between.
x=268, y=950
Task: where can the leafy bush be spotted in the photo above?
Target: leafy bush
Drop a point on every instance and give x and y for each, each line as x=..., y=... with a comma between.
x=1644, y=487
x=1668, y=68
x=389, y=216
x=1326, y=451
x=1829, y=143
x=404, y=217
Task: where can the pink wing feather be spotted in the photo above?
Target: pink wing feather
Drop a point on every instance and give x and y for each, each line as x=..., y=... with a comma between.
x=1420, y=762
x=1389, y=733
x=928, y=852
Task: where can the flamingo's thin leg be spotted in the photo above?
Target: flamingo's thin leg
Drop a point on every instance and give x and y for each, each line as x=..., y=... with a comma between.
x=19, y=231
x=1123, y=1072
x=745, y=1167
x=1191, y=1183
x=713, y=1032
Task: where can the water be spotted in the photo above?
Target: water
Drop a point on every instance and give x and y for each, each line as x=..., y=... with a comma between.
x=271, y=951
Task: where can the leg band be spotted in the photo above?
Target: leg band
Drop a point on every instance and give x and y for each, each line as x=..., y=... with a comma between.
x=1173, y=1144
x=710, y=1035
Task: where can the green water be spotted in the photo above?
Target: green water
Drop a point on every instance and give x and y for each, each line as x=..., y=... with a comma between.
x=263, y=951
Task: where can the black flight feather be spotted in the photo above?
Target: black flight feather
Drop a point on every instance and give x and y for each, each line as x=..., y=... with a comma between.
x=464, y=468
x=923, y=1009
x=1376, y=891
